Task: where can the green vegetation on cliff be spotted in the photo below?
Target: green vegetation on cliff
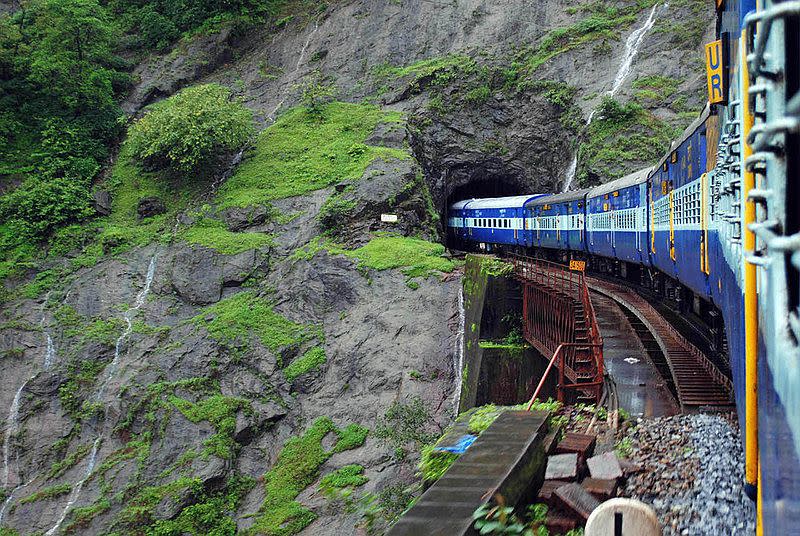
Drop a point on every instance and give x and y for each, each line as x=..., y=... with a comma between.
x=296, y=468
x=302, y=152
x=190, y=132
x=236, y=319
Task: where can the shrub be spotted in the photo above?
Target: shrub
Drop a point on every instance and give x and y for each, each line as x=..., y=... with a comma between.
x=192, y=131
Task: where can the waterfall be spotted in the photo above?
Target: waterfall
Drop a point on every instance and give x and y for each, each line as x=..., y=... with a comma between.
x=297, y=67
x=631, y=50
x=76, y=490
x=50, y=352
x=112, y=369
x=12, y=427
x=458, y=362
x=632, y=45
x=128, y=318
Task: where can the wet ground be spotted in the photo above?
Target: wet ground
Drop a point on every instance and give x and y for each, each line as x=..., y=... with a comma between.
x=641, y=390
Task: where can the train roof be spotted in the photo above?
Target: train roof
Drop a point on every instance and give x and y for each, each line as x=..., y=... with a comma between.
x=560, y=198
x=459, y=205
x=516, y=201
x=686, y=133
x=632, y=179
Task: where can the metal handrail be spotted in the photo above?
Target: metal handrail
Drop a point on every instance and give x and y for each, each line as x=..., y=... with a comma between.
x=558, y=354
x=559, y=330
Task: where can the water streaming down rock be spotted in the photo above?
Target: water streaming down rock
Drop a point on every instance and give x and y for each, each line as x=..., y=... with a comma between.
x=12, y=427
x=111, y=372
x=297, y=67
x=458, y=362
x=76, y=489
x=128, y=318
x=632, y=45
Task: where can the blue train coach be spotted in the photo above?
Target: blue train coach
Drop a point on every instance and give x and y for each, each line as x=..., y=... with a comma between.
x=616, y=214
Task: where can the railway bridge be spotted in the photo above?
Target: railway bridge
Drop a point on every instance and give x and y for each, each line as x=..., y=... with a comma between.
x=587, y=329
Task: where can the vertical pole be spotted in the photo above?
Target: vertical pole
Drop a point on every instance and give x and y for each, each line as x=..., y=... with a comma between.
x=750, y=291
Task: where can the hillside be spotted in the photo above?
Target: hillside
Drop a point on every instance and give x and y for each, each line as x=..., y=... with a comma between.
x=253, y=350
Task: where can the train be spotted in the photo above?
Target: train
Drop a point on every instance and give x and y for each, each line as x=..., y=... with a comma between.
x=714, y=227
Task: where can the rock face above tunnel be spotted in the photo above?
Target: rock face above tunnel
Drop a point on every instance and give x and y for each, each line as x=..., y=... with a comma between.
x=508, y=146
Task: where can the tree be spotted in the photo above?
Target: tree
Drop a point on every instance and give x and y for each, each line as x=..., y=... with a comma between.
x=71, y=50
x=191, y=131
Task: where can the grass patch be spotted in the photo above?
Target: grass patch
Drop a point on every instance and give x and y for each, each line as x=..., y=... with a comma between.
x=213, y=234
x=311, y=360
x=621, y=133
x=47, y=493
x=296, y=468
x=220, y=411
x=434, y=463
x=236, y=319
x=417, y=257
x=302, y=152
x=62, y=466
x=349, y=476
x=81, y=516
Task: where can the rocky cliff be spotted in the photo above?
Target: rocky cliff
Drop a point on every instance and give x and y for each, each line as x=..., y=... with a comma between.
x=263, y=354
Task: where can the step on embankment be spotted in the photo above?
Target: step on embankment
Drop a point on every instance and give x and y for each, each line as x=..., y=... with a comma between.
x=508, y=459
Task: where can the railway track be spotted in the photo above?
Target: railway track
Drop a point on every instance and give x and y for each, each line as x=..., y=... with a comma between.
x=696, y=381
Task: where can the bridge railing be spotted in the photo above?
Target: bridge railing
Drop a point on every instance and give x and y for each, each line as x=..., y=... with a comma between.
x=560, y=321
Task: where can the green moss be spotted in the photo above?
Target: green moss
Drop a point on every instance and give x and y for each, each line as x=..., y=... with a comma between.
x=417, y=257
x=47, y=493
x=235, y=319
x=60, y=467
x=81, y=516
x=215, y=235
x=220, y=411
x=302, y=152
x=621, y=134
x=443, y=69
x=603, y=23
x=311, y=360
x=8, y=531
x=656, y=88
x=295, y=469
x=211, y=513
x=496, y=267
x=349, y=476
x=434, y=463
x=405, y=423
x=138, y=508
x=350, y=437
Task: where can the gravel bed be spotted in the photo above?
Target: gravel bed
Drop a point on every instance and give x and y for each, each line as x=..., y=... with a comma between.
x=692, y=474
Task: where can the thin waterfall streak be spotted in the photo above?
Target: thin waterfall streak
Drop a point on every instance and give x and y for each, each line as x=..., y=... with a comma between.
x=458, y=362
x=632, y=45
x=128, y=318
x=76, y=490
x=11, y=497
x=12, y=427
x=297, y=67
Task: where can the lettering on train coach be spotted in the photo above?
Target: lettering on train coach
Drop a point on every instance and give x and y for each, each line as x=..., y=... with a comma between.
x=714, y=72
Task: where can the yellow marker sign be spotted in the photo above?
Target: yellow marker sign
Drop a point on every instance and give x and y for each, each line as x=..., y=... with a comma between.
x=577, y=266
x=716, y=83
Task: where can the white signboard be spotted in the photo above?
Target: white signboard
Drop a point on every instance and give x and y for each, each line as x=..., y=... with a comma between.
x=389, y=218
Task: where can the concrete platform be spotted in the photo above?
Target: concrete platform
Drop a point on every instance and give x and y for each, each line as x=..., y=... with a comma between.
x=507, y=459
